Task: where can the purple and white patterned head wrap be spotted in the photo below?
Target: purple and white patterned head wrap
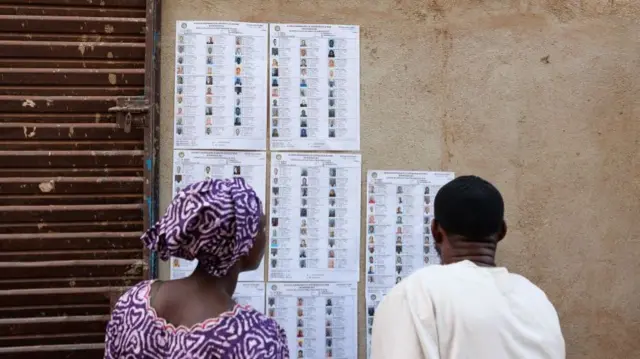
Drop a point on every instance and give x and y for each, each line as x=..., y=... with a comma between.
x=214, y=221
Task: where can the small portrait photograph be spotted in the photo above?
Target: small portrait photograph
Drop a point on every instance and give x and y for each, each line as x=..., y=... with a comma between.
x=209, y=60
x=181, y=48
x=303, y=43
x=332, y=133
x=304, y=172
x=332, y=193
x=332, y=54
x=274, y=222
x=333, y=172
x=236, y=170
x=275, y=191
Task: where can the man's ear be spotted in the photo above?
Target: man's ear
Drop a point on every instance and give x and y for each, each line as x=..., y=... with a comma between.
x=436, y=232
x=503, y=231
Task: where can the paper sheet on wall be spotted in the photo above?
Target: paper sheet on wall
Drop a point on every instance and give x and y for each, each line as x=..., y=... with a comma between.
x=221, y=85
x=190, y=166
x=398, y=229
x=315, y=217
x=315, y=87
x=320, y=319
x=252, y=294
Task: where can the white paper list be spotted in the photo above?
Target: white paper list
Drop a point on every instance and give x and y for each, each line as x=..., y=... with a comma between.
x=315, y=87
x=320, y=319
x=191, y=166
x=315, y=217
x=221, y=85
x=252, y=294
x=398, y=222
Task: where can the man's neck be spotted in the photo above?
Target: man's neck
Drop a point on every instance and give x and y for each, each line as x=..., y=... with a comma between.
x=481, y=253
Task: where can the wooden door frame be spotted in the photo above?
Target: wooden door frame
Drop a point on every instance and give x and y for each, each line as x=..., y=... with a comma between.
x=152, y=128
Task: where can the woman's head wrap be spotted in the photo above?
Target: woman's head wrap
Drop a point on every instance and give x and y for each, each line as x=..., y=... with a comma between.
x=214, y=221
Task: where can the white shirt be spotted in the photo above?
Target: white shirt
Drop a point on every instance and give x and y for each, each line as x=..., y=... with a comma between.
x=464, y=311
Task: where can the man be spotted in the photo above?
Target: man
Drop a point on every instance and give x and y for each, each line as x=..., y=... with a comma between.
x=467, y=307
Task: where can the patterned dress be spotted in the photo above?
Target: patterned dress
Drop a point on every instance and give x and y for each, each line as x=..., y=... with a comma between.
x=136, y=332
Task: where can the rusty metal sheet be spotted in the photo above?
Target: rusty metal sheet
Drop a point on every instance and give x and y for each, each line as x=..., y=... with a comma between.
x=74, y=186
x=70, y=185
x=75, y=77
x=61, y=213
x=72, y=145
x=21, y=62
x=77, y=282
x=66, y=199
x=52, y=325
x=70, y=38
x=72, y=24
x=53, y=339
x=63, y=351
x=140, y=4
x=75, y=268
x=25, y=91
x=73, y=227
x=61, y=159
x=84, y=119
x=71, y=50
x=31, y=256
x=44, y=10
x=39, y=104
x=11, y=242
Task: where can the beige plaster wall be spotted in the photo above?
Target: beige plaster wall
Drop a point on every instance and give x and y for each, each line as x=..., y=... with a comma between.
x=540, y=97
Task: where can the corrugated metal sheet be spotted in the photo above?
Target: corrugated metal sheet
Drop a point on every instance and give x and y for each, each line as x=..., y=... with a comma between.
x=72, y=182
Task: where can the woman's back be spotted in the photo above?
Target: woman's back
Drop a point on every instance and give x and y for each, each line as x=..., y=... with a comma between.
x=136, y=331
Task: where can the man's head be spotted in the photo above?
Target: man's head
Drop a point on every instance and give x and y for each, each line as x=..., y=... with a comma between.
x=468, y=220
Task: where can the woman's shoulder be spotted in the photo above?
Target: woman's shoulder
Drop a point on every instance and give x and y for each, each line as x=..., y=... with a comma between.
x=137, y=295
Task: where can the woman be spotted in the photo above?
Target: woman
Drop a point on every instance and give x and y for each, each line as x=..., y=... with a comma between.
x=220, y=223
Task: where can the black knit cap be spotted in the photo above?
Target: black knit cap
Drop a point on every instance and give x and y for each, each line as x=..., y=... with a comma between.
x=470, y=207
